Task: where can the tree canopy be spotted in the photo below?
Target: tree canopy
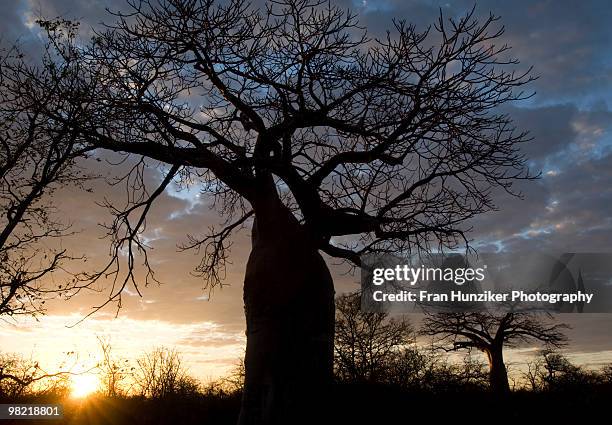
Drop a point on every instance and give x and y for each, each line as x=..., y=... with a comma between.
x=375, y=144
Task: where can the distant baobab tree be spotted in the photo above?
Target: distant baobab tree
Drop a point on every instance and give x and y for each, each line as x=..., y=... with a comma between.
x=491, y=333
x=297, y=123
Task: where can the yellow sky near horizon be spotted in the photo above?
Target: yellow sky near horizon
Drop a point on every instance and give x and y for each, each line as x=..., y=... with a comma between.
x=211, y=350
x=208, y=349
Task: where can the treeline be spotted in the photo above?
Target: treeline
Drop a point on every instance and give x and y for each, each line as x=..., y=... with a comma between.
x=370, y=348
x=374, y=348
x=156, y=388
x=157, y=374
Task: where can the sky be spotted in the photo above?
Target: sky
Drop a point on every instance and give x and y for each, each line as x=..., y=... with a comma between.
x=568, y=210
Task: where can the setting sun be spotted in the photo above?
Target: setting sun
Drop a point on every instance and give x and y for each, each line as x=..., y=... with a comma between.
x=84, y=385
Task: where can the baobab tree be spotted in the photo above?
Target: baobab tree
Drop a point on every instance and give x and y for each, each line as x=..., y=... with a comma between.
x=297, y=123
x=491, y=333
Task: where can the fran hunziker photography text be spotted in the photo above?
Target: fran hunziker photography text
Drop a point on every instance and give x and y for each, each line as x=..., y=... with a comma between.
x=455, y=282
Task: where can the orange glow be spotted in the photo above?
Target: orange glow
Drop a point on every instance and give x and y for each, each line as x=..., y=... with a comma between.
x=84, y=385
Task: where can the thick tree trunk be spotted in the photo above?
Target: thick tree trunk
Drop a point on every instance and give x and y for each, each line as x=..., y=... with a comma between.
x=498, y=375
x=289, y=307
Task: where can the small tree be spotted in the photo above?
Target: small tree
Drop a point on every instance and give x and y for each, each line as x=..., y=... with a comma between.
x=606, y=374
x=446, y=374
x=20, y=376
x=559, y=373
x=114, y=372
x=234, y=382
x=160, y=374
x=367, y=344
x=491, y=333
x=411, y=367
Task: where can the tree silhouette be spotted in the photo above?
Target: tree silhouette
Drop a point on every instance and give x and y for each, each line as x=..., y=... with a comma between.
x=37, y=156
x=296, y=122
x=21, y=376
x=113, y=372
x=366, y=344
x=160, y=373
x=490, y=333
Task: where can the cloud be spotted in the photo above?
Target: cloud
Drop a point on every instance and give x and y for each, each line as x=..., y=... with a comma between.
x=567, y=44
x=180, y=296
x=89, y=13
x=208, y=348
x=12, y=21
x=569, y=207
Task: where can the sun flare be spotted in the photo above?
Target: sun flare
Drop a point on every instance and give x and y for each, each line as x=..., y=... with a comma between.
x=83, y=385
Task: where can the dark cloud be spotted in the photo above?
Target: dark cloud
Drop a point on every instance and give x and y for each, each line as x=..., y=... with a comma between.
x=570, y=206
x=13, y=20
x=89, y=13
x=550, y=127
x=568, y=43
x=568, y=212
